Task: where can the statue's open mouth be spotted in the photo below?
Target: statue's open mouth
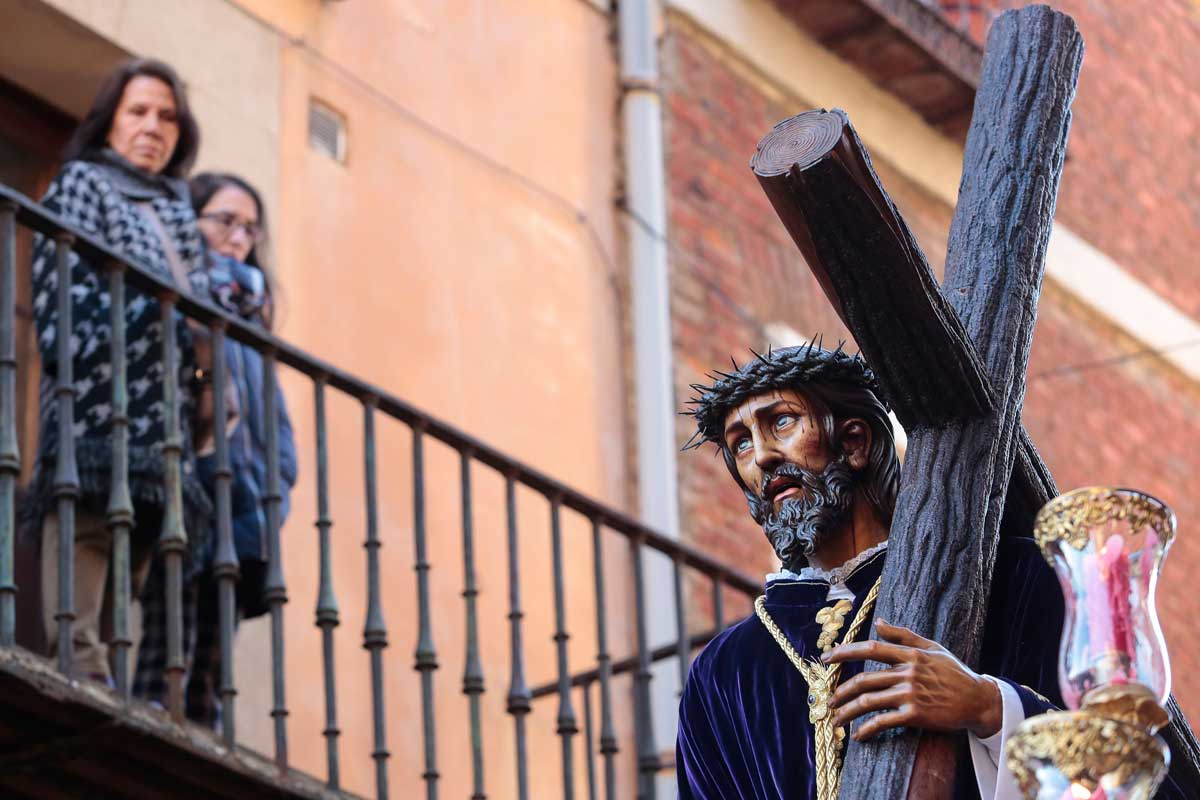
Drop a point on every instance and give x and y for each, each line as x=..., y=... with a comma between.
x=783, y=487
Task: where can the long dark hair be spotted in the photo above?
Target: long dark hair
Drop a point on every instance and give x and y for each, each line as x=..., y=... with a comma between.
x=92, y=134
x=207, y=184
x=831, y=404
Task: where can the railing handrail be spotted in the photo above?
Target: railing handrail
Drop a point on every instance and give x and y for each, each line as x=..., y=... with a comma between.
x=33, y=215
x=628, y=664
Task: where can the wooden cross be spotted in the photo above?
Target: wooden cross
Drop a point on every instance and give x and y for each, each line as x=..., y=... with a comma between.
x=951, y=360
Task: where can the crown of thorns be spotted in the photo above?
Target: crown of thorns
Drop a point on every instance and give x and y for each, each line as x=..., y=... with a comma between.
x=787, y=368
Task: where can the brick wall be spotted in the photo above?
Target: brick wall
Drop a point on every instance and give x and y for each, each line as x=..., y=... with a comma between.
x=1127, y=421
x=1132, y=181
x=734, y=271
x=729, y=259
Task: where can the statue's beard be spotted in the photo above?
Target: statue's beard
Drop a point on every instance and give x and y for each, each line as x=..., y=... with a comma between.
x=804, y=522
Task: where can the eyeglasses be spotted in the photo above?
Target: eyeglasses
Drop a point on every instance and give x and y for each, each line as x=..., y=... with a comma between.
x=227, y=223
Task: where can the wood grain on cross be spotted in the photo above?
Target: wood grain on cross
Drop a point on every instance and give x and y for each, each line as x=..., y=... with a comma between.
x=951, y=360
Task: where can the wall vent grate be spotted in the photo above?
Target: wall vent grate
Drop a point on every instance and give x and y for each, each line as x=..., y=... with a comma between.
x=326, y=130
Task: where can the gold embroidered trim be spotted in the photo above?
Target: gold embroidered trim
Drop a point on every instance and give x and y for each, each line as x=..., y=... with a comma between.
x=822, y=681
x=1087, y=749
x=1071, y=517
x=832, y=618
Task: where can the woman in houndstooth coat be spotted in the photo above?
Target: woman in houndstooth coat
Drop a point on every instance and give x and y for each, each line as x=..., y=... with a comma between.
x=123, y=184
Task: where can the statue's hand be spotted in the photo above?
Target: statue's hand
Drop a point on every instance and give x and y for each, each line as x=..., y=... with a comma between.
x=927, y=687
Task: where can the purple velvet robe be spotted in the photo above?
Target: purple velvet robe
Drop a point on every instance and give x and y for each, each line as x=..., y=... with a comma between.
x=744, y=732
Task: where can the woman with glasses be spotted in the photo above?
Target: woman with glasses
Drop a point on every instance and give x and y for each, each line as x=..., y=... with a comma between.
x=123, y=183
x=233, y=220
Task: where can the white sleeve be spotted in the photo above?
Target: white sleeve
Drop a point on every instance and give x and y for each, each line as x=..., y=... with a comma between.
x=987, y=755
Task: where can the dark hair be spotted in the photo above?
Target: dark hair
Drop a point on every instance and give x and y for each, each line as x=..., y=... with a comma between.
x=92, y=134
x=832, y=403
x=207, y=184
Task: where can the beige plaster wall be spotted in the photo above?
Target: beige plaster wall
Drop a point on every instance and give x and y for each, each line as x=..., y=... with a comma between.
x=462, y=258
x=229, y=62
x=465, y=258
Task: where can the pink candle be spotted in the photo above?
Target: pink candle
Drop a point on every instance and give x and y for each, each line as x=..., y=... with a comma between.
x=1116, y=566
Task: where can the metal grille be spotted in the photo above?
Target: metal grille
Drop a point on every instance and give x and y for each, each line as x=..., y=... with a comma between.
x=326, y=130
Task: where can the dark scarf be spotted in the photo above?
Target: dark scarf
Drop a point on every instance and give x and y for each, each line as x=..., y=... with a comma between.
x=134, y=182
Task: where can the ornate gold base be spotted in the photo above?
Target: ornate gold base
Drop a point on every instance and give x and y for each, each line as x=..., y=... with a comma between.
x=1129, y=702
x=1072, y=754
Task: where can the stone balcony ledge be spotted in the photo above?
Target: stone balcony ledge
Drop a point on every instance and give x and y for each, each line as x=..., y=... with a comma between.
x=68, y=738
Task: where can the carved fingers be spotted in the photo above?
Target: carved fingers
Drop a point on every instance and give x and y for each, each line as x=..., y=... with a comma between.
x=898, y=698
x=896, y=645
x=926, y=687
x=870, y=650
x=897, y=718
x=868, y=682
x=902, y=635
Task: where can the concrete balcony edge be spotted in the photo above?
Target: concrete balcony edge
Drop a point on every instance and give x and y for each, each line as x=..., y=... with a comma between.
x=63, y=737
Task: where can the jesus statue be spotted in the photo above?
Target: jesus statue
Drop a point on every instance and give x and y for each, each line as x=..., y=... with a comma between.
x=770, y=702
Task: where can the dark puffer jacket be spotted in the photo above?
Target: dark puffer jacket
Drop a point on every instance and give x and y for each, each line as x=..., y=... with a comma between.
x=248, y=451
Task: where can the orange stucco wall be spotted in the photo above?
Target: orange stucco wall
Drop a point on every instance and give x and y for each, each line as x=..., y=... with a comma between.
x=462, y=258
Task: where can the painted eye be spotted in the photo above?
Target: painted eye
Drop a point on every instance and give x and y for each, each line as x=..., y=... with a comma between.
x=784, y=420
x=741, y=445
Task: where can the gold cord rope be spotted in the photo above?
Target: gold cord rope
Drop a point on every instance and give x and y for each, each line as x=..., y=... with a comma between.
x=821, y=680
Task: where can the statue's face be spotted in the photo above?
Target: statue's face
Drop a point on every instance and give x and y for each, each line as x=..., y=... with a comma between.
x=769, y=430
x=799, y=488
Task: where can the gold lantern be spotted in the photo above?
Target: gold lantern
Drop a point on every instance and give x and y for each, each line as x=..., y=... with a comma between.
x=1107, y=547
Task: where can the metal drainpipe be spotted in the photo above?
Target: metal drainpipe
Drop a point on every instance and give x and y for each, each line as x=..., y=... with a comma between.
x=645, y=186
x=641, y=113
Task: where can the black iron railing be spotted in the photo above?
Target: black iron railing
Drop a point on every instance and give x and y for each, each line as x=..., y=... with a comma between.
x=689, y=565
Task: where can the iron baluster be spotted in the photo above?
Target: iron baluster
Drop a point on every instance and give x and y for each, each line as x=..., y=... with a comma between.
x=172, y=541
x=473, y=669
x=66, y=475
x=567, y=726
x=587, y=739
x=648, y=765
x=608, y=734
x=683, y=649
x=120, y=506
x=10, y=455
x=426, y=655
x=274, y=587
x=225, y=560
x=327, y=607
x=374, y=629
x=622, y=666
x=519, y=701
x=718, y=601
